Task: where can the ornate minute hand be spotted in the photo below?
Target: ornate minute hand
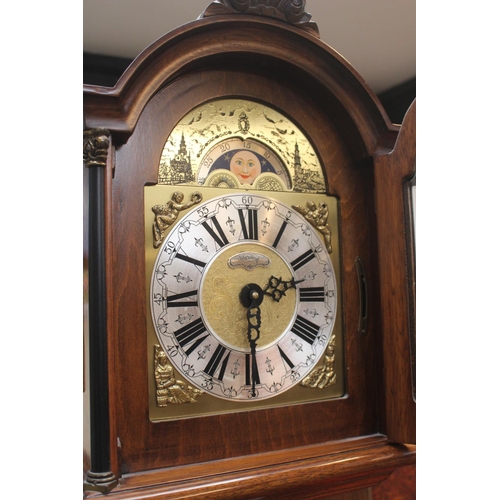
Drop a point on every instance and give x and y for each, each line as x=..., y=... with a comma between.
x=251, y=297
x=277, y=288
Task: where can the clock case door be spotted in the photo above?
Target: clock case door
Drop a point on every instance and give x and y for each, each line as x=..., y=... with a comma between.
x=288, y=67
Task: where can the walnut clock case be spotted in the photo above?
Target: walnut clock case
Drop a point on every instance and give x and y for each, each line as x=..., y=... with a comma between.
x=249, y=260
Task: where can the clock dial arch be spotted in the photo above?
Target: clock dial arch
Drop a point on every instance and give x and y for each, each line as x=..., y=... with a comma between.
x=277, y=154
x=208, y=257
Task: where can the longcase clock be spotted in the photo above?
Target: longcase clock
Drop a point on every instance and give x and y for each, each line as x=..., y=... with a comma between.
x=248, y=225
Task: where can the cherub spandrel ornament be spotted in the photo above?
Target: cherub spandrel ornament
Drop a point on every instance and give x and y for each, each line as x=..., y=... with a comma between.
x=318, y=217
x=324, y=375
x=168, y=389
x=166, y=215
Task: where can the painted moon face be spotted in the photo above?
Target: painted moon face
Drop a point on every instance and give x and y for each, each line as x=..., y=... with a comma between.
x=246, y=166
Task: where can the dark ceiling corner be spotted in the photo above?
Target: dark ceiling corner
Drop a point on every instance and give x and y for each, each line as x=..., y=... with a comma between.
x=397, y=100
x=103, y=70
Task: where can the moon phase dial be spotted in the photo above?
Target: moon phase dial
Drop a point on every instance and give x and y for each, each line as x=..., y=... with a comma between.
x=238, y=162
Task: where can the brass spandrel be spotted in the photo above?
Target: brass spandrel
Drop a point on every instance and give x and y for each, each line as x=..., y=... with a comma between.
x=166, y=214
x=170, y=390
x=317, y=215
x=324, y=375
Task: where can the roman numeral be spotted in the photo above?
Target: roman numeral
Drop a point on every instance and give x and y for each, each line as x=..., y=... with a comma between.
x=286, y=359
x=248, y=371
x=250, y=231
x=217, y=360
x=220, y=238
x=312, y=294
x=305, y=329
x=186, y=258
x=280, y=234
x=190, y=332
x=302, y=260
x=176, y=300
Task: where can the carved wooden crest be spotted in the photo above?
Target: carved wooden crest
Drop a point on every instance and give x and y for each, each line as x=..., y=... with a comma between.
x=291, y=11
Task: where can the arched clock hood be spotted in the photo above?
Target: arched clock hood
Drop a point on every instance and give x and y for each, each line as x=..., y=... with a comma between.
x=291, y=53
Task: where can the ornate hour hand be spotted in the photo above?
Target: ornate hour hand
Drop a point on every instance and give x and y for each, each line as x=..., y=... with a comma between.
x=277, y=288
x=251, y=297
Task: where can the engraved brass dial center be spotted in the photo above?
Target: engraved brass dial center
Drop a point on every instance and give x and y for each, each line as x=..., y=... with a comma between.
x=223, y=310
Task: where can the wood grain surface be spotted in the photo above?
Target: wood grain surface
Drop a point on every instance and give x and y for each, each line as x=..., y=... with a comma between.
x=315, y=449
x=397, y=281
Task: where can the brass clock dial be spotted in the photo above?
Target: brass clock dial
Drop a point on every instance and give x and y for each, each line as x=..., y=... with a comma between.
x=229, y=305
x=243, y=297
